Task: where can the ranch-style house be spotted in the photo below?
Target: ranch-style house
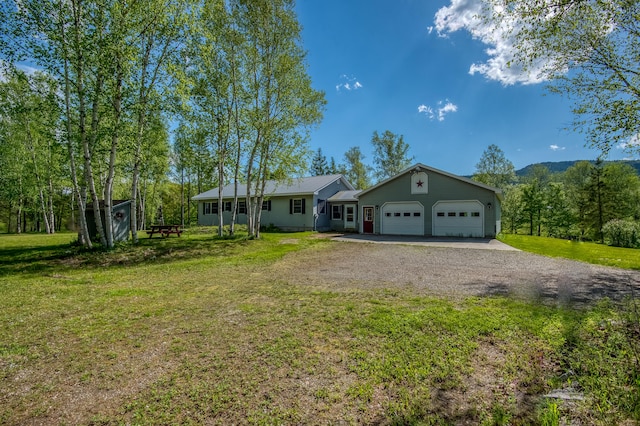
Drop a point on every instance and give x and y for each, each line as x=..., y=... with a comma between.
x=420, y=200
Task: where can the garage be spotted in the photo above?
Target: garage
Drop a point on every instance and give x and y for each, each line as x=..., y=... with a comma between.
x=406, y=218
x=458, y=219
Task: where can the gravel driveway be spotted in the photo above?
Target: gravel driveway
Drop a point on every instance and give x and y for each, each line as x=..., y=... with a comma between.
x=463, y=272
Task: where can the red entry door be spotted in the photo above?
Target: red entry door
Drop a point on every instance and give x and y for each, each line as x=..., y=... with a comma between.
x=367, y=222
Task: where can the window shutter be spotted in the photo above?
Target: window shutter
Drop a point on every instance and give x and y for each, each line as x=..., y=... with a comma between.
x=290, y=205
x=303, y=203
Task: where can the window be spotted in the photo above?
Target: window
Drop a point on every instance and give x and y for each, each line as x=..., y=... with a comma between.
x=227, y=206
x=463, y=214
x=475, y=214
x=336, y=212
x=368, y=214
x=210, y=208
x=451, y=214
x=297, y=206
x=416, y=214
x=322, y=207
x=242, y=207
x=387, y=214
x=397, y=214
x=440, y=214
x=350, y=213
x=407, y=214
x=266, y=205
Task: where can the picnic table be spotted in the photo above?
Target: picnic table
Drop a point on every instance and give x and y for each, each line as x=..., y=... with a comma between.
x=164, y=230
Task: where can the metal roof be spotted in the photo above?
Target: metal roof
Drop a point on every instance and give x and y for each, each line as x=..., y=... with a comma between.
x=344, y=196
x=293, y=186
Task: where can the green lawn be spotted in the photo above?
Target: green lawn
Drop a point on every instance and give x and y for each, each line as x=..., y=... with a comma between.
x=598, y=254
x=196, y=330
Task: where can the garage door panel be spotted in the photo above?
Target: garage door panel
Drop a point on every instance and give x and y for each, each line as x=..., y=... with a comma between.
x=458, y=219
x=403, y=219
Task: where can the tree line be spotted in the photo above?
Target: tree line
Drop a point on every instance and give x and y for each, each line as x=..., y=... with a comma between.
x=576, y=204
x=390, y=157
x=92, y=123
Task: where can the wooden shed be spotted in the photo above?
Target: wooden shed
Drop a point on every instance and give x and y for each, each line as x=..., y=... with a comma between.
x=121, y=220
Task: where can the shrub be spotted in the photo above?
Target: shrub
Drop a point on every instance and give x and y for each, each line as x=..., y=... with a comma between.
x=269, y=228
x=622, y=233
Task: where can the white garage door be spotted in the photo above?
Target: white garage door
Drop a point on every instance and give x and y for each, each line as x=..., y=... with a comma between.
x=403, y=219
x=458, y=219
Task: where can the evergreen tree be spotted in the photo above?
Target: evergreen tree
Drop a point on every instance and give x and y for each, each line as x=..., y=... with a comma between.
x=319, y=164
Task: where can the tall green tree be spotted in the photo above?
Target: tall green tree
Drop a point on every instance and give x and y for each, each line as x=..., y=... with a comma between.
x=534, y=197
x=513, y=209
x=30, y=118
x=92, y=50
x=319, y=165
x=557, y=218
x=591, y=51
x=283, y=104
x=576, y=181
x=209, y=76
x=494, y=168
x=390, y=154
x=356, y=171
x=613, y=194
x=161, y=31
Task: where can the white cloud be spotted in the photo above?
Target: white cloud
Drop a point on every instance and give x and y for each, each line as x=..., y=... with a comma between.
x=633, y=143
x=471, y=15
x=556, y=148
x=439, y=113
x=27, y=69
x=427, y=110
x=348, y=83
x=446, y=109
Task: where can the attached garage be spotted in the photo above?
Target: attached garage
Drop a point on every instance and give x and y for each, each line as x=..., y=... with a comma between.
x=403, y=218
x=458, y=219
x=423, y=201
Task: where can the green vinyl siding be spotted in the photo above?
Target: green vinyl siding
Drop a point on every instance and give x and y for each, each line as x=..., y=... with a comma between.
x=278, y=216
x=440, y=188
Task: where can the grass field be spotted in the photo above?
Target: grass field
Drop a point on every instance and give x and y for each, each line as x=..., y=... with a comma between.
x=589, y=252
x=200, y=330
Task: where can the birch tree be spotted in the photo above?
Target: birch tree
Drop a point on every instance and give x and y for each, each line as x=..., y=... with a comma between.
x=211, y=101
x=30, y=119
x=282, y=102
x=161, y=31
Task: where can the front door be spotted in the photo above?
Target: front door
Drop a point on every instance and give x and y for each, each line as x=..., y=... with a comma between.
x=349, y=216
x=367, y=222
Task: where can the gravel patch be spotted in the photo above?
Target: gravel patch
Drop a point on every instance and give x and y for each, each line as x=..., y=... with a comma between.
x=442, y=271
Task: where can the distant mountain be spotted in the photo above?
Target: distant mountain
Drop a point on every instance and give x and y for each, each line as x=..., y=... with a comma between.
x=561, y=166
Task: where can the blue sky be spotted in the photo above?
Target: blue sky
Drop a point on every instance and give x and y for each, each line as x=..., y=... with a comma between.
x=421, y=68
